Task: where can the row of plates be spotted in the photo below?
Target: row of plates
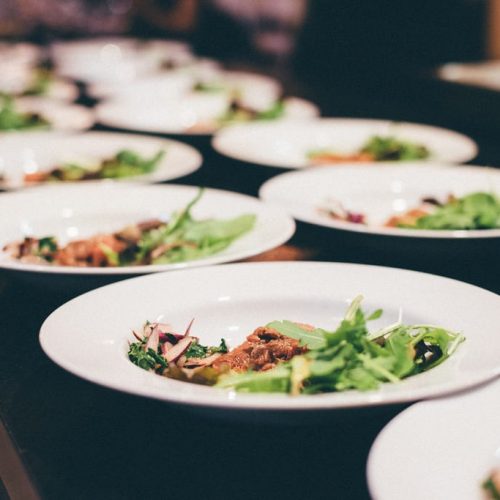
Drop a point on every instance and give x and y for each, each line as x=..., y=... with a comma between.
x=426, y=444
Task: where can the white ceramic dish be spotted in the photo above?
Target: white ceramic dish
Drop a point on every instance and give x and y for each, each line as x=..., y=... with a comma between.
x=287, y=144
x=112, y=60
x=378, y=192
x=168, y=82
x=438, y=449
x=178, y=116
x=482, y=74
x=62, y=116
x=231, y=301
x=255, y=91
x=39, y=151
x=86, y=209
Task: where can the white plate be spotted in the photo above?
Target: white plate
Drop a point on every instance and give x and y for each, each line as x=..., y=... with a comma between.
x=112, y=59
x=31, y=152
x=82, y=210
x=176, y=116
x=287, y=144
x=165, y=80
x=438, y=449
x=62, y=116
x=379, y=192
x=483, y=74
x=89, y=335
x=255, y=91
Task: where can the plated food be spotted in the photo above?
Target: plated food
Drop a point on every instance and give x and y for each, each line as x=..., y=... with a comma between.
x=439, y=201
x=339, y=140
x=180, y=238
x=37, y=158
x=452, y=442
x=198, y=113
x=295, y=358
x=38, y=113
x=111, y=229
x=228, y=302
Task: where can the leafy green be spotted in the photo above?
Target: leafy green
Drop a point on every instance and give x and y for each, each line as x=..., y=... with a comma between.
x=313, y=339
x=146, y=359
x=474, y=211
x=350, y=357
x=185, y=238
x=196, y=350
x=491, y=489
x=11, y=119
x=126, y=163
x=388, y=148
x=238, y=113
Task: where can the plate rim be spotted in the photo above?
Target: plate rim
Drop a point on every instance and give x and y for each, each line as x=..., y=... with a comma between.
x=287, y=404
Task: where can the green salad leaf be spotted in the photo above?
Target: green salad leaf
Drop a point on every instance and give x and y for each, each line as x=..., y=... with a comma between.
x=389, y=148
x=349, y=357
x=126, y=163
x=11, y=119
x=474, y=211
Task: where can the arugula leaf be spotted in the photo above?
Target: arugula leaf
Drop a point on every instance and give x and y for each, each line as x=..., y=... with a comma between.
x=314, y=339
x=347, y=358
x=474, y=211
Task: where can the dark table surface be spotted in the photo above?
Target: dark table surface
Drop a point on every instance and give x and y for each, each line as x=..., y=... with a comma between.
x=63, y=437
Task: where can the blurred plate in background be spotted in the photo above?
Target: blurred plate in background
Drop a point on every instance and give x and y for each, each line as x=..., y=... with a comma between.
x=378, y=192
x=42, y=151
x=288, y=144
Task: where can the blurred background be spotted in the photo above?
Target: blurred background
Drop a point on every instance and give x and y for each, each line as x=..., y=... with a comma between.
x=369, y=52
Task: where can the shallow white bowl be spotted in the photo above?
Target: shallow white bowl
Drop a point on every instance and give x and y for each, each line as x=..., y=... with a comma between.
x=81, y=210
x=176, y=116
x=30, y=152
x=89, y=335
x=438, y=449
x=378, y=191
x=287, y=144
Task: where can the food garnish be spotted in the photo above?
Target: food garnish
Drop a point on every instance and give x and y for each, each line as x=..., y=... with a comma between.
x=492, y=485
x=294, y=358
x=11, y=119
x=239, y=113
x=179, y=239
x=377, y=148
x=126, y=163
x=474, y=211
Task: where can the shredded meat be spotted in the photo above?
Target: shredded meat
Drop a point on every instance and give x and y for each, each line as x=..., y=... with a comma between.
x=262, y=350
x=408, y=218
x=88, y=252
